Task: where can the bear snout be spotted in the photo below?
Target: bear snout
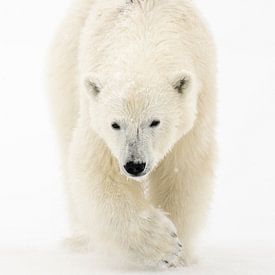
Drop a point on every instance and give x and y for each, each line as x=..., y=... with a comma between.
x=135, y=168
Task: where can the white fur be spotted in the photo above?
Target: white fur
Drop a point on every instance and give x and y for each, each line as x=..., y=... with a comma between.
x=135, y=54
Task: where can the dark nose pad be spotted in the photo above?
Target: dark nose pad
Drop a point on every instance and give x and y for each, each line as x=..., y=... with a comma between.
x=134, y=169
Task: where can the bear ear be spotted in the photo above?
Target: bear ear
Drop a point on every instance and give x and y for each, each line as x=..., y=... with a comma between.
x=92, y=85
x=181, y=81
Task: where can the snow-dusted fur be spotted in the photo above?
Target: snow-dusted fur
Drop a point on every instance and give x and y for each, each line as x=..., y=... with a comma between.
x=116, y=67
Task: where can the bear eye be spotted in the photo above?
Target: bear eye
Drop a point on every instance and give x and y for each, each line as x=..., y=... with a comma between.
x=155, y=123
x=92, y=87
x=115, y=126
x=182, y=85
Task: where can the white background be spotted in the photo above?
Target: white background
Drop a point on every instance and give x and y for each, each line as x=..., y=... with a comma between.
x=240, y=237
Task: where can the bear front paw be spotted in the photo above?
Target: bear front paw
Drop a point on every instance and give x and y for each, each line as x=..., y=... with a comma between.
x=155, y=241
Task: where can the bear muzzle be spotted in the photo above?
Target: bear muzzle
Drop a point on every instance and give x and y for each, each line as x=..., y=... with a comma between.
x=135, y=169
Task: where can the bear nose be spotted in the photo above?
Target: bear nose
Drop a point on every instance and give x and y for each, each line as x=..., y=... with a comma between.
x=134, y=169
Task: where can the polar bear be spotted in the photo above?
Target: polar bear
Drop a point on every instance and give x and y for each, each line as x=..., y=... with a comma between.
x=132, y=88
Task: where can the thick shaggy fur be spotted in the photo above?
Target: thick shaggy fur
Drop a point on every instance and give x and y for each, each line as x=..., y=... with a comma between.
x=131, y=62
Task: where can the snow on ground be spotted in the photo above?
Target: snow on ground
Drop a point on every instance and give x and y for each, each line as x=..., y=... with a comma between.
x=220, y=260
